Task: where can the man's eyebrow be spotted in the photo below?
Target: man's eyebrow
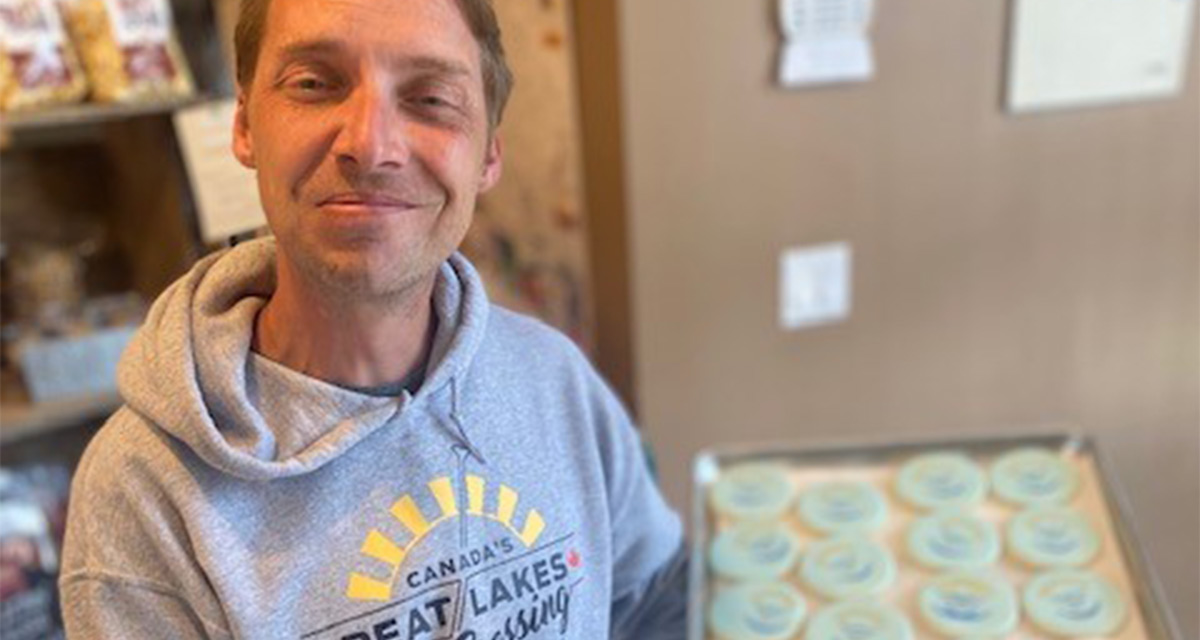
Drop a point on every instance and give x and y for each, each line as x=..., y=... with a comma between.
x=304, y=48
x=429, y=64
x=438, y=66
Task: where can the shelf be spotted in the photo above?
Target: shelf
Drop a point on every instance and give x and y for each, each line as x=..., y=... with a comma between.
x=21, y=419
x=81, y=122
x=92, y=113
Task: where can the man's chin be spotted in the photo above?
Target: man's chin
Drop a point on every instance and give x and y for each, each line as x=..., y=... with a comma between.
x=358, y=280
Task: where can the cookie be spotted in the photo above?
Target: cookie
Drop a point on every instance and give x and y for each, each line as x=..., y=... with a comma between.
x=953, y=540
x=842, y=507
x=1052, y=537
x=1074, y=603
x=847, y=567
x=946, y=480
x=757, y=611
x=969, y=604
x=1034, y=477
x=752, y=492
x=754, y=551
x=859, y=620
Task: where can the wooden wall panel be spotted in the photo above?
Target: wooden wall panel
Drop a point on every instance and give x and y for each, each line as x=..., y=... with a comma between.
x=1009, y=271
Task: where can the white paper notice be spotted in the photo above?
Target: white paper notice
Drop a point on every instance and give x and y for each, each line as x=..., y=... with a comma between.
x=1079, y=53
x=226, y=192
x=825, y=41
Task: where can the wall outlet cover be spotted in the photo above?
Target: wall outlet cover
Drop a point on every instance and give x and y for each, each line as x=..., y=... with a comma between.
x=814, y=285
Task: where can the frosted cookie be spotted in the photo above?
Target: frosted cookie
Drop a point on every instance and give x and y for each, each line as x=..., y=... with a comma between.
x=1034, y=477
x=847, y=567
x=1074, y=603
x=941, y=481
x=969, y=604
x=752, y=492
x=1052, y=537
x=757, y=611
x=953, y=540
x=859, y=620
x=754, y=551
x=842, y=507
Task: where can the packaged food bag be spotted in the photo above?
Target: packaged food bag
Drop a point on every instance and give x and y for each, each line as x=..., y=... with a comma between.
x=129, y=49
x=38, y=65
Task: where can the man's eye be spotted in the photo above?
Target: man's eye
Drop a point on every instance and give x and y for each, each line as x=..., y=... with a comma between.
x=433, y=101
x=310, y=84
x=307, y=86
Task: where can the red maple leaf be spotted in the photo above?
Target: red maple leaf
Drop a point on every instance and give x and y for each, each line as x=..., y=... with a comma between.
x=574, y=559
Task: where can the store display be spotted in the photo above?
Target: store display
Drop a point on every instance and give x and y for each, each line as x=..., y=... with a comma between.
x=859, y=620
x=941, y=481
x=755, y=551
x=38, y=65
x=969, y=604
x=47, y=282
x=32, y=511
x=953, y=541
x=842, y=507
x=1034, y=477
x=847, y=567
x=752, y=492
x=1053, y=538
x=129, y=49
x=757, y=611
x=74, y=353
x=1074, y=604
x=71, y=366
x=947, y=558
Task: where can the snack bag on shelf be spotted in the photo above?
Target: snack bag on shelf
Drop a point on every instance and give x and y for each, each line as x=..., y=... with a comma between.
x=38, y=65
x=129, y=49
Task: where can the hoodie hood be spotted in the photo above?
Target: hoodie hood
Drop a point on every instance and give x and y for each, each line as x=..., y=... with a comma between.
x=190, y=371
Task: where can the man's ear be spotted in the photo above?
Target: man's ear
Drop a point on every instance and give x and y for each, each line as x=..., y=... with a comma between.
x=243, y=144
x=492, y=164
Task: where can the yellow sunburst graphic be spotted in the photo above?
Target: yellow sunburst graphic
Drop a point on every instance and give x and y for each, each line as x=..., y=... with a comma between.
x=382, y=548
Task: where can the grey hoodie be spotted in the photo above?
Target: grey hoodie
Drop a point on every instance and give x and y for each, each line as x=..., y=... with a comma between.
x=232, y=497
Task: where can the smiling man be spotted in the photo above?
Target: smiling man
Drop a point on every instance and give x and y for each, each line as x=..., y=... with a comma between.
x=333, y=433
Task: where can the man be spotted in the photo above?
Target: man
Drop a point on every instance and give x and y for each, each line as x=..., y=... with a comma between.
x=333, y=434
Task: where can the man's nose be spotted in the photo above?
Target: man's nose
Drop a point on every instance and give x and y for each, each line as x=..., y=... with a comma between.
x=373, y=135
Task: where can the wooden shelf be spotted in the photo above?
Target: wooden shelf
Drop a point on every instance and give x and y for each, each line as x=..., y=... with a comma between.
x=91, y=113
x=84, y=122
x=21, y=419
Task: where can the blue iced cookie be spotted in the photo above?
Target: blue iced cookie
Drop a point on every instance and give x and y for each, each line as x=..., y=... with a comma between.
x=1034, y=477
x=953, y=540
x=754, y=551
x=1052, y=537
x=1068, y=602
x=842, y=507
x=757, y=611
x=847, y=567
x=947, y=480
x=969, y=604
x=752, y=491
x=859, y=620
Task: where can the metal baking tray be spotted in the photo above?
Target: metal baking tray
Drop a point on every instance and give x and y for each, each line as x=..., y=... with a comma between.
x=1100, y=496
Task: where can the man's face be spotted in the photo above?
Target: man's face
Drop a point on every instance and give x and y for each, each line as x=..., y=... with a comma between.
x=367, y=124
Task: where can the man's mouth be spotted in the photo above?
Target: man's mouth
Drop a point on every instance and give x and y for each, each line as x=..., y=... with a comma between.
x=367, y=201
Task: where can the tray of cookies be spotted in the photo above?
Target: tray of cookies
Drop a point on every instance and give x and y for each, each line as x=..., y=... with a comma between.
x=1018, y=537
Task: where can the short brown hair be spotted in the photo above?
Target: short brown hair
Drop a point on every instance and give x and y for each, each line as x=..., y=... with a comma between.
x=479, y=16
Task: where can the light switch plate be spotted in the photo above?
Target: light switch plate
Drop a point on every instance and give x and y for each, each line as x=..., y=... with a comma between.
x=814, y=285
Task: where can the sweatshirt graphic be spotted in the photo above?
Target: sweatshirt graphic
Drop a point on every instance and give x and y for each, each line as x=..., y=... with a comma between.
x=468, y=565
x=231, y=497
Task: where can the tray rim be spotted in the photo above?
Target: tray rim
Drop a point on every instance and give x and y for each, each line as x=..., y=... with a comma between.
x=1151, y=595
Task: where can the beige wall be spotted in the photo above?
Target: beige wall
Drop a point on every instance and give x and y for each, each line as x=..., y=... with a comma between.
x=1008, y=271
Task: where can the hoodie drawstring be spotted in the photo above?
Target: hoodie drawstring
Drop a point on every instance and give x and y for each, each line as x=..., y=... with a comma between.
x=456, y=419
